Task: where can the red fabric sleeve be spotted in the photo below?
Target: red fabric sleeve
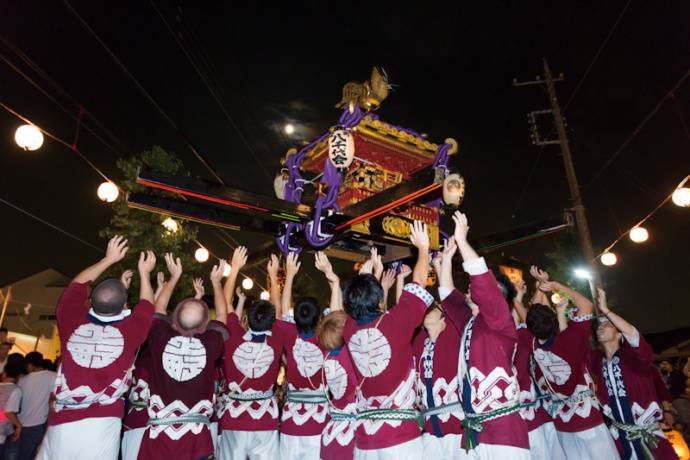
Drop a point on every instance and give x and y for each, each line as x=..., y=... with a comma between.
x=456, y=311
x=492, y=306
x=408, y=313
x=72, y=303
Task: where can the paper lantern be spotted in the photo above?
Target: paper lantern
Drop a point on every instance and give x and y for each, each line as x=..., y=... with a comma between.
x=608, y=259
x=431, y=278
x=108, y=192
x=247, y=284
x=678, y=443
x=279, y=185
x=341, y=148
x=453, y=190
x=28, y=137
x=201, y=255
x=681, y=197
x=171, y=225
x=639, y=235
x=265, y=295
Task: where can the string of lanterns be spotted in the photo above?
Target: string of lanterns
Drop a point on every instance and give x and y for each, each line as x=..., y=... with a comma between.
x=639, y=234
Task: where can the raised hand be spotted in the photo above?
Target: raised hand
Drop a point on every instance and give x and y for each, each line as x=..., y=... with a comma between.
x=272, y=266
x=199, y=290
x=217, y=272
x=521, y=288
x=601, y=301
x=388, y=279
x=292, y=264
x=241, y=296
x=147, y=261
x=419, y=236
x=117, y=248
x=376, y=260
x=540, y=275
x=462, y=227
x=367, y=268
x=324, y=265
x=126, y=278
x=562, y=303
x=405, y=271
x=174, y=265
x=239, y=259
x=449, y=250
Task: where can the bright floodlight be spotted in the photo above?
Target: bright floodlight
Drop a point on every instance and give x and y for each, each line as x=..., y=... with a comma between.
x=247, y=284
x=201, y=255
x=108, y=192
x=639, y=235
x=29, y=137
x=681, y=197
x=226, y=270
x=582, y=273
x=265, y=295
x=608, y=259
x=289, y=128
x=171, y=225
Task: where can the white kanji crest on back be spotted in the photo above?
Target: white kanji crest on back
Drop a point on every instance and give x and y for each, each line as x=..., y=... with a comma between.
x=370, y=351
x=94, y=347
x=555, y=368
x=253, y=359
x=309, y=357
x=184, y=358
x=336, y=377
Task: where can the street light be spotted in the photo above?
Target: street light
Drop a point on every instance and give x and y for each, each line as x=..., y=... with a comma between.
x=108, y=192
x=608, y=259
x=28, y=137
x=639, y=235
x=582, y=273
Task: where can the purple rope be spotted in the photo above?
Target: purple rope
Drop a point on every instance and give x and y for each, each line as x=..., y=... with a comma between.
x=442, y=156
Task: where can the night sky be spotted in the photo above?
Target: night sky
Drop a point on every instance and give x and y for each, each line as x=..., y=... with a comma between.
x=229, y=75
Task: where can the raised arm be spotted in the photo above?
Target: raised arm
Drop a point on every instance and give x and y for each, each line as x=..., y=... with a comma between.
x=461, y=230
x=291, y=268
x=583, y=304
x=175, y=269
x=405, y=271
x=420, y=239
x=272, y=269
x=126, y=278
x=387, y=281
x=239, y=259
x=445, y=274
x=241, y=299
x=115, y=252
x=560, y=313
x=376, y=261
x=518, y=306
x=324, y=265
x=146, y=263
x=541, y=276
x=622, y=325
x=160, y=284
x=219, y=298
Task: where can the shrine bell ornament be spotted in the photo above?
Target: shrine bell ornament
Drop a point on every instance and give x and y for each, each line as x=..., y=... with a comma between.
x=453, y=190
x=341, y=148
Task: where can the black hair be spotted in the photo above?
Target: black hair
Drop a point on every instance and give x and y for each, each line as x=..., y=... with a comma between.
x=507, y=288
x=14, y=370
x=4, y=329
x=542, y=321
x=362, y=296
x=109, y=297
x=307, y=313
x=34, y=358
x=48, y=365
x=261, y=315
x=9, y=344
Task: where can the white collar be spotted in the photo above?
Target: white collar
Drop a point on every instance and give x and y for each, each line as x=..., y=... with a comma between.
x=248, y=335
x=111, y=319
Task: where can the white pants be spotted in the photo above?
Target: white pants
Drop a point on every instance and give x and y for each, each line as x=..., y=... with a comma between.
x=300, y=447
x=410, y=450
x=213, y=427
x=252, y=445
x=492, y=452
x=449, y=447
x=88, y=439
x=544, y=443
x=593, y=444
x=131, y=442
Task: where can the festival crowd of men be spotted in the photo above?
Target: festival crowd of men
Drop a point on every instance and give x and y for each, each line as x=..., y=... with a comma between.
x=477, y=375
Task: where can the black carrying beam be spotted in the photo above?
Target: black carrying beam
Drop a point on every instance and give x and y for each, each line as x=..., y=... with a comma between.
x=225, y=195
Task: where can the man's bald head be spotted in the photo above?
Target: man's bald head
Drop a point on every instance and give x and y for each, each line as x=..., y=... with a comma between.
x=191, y=315
x=109, y=297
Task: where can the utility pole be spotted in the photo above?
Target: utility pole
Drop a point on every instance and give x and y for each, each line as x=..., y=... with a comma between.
x=578, y=208
x=4, y=307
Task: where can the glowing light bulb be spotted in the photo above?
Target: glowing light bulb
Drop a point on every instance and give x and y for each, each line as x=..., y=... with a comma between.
x=201, y=254
x=265, y=295
x=681, y=197
x=639, y=235
x=171, y=225
x=247, y=284
x=289, y=128
x=28, y=137
x=608, y=259
x=226, y=270
x=555, y=298
x=108, y=192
